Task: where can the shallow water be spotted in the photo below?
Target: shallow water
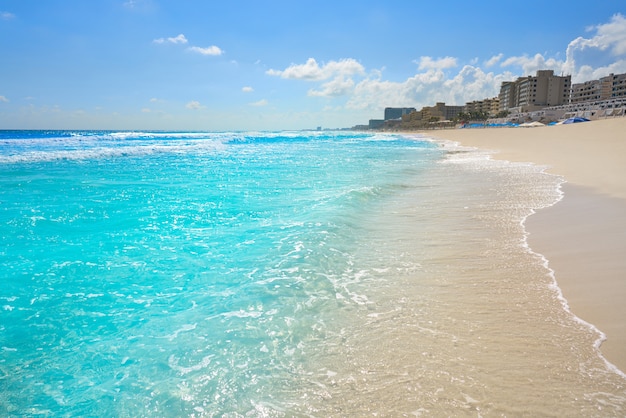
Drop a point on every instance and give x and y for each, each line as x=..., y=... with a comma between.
x=476, y=327
x=281, y=274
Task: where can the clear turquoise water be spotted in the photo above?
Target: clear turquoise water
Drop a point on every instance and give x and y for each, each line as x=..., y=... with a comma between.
x=186, y=274
x=173, y=274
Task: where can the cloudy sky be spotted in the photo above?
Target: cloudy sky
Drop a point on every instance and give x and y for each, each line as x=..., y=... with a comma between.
x=241, y=65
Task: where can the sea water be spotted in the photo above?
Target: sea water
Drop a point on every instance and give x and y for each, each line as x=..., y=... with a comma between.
x=271, y=274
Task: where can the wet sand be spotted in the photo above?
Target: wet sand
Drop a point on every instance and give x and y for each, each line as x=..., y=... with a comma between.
x=584, y=235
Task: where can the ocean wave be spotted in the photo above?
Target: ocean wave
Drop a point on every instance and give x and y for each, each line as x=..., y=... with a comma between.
x=41, y=146
x=57, y=149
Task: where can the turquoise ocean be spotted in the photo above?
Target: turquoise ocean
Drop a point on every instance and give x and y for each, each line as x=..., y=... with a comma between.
x=238, y=274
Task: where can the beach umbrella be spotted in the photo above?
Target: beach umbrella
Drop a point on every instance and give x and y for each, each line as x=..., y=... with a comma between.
x=576, y=119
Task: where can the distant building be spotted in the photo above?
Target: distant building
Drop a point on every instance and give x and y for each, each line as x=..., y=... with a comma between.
x=508, y=92
x=543, y=97
x=609, y=87
x=494, y=106
x=440, y=111
x=591, y=90
x=618, y=85
x=429, y=115
x=397, y=112
x=376, y=123
x=488, y=106
x=535, y=92
x=544, y=89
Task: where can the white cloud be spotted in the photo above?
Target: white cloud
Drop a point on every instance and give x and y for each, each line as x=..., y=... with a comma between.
x=247, y=89
x=146, y=110
x=602, y=53
x=472, y=83
x=530, y=65
x=375, y=94
x=313, y=72
x=428, y=63
x=590, y=58
x=431, y=84
x=6, y=16
x=587, y=72
x=193, y=105
x=611, y=36
x=262, y=102
x=180, y=39
x=142, y=6
x=211, y=50
x=4, y=99
x=339, y=86
x=426, y=89
x=339, y=73
x=493, y=60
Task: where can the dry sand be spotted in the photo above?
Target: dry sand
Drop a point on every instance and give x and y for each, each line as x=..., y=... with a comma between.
x=584, y=235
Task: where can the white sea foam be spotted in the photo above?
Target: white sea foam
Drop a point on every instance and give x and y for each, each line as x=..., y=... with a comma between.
x=114, y=145
x=184, y=328
x=174, y=363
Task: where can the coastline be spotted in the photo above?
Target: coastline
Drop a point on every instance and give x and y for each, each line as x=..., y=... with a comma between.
x=589, y=154
x=583, y=236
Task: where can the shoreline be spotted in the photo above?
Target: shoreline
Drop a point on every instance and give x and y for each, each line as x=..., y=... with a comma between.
x=583, y=236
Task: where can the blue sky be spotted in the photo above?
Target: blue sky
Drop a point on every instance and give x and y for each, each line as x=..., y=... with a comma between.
x=241, y=65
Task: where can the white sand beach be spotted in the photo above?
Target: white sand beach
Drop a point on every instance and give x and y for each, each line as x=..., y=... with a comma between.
x=584, y=235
